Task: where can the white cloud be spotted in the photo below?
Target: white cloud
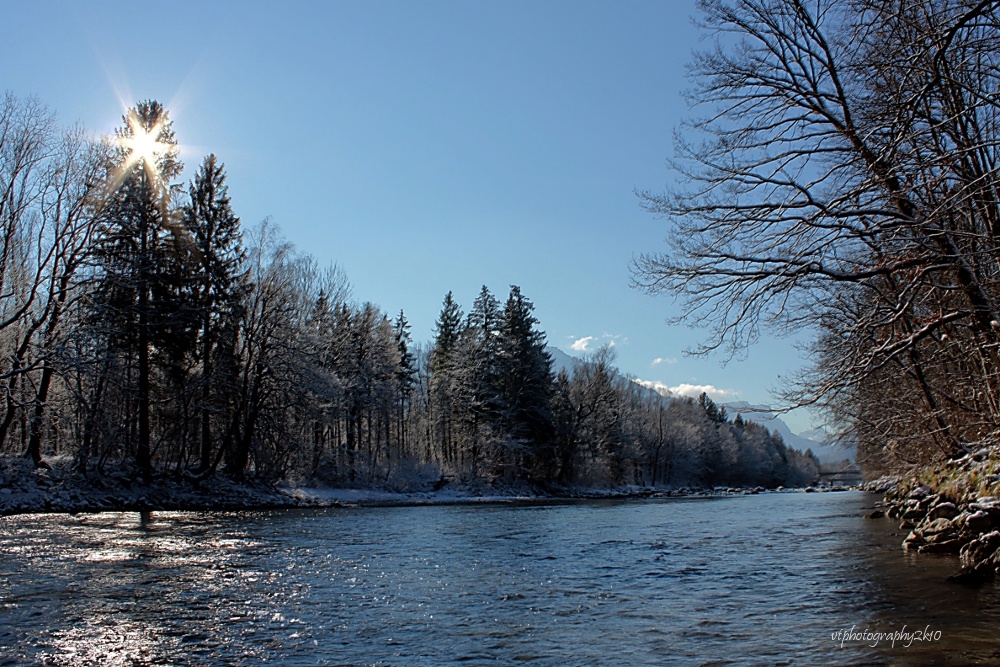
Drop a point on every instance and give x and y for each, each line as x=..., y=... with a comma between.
x=696, y=390
x=656, y=386
x=692, y=390
x=614, y=339
x=591, y=343
x=662, y=360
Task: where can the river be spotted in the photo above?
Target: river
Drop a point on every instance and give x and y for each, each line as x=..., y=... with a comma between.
x=747, y=580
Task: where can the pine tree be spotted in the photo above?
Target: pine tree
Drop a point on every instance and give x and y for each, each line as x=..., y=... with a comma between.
x=526, y=368
x=406, y=377
x=442, y=366
x=142, y=254
x=219, y=285
x=478, y=382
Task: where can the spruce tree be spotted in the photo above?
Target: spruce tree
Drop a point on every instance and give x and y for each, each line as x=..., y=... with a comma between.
x=406, y=376
x=448, y=330
x=526, y=368
x=479, y=382
x=141, y=252
x=219, y=285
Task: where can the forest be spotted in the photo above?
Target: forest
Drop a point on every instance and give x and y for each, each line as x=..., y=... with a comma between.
x=143, y=328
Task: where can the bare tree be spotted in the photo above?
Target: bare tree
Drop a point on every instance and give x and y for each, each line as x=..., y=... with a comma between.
x=844, y=180
x=47, y=185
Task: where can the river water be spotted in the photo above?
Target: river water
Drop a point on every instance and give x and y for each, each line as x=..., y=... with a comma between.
x=763, y=579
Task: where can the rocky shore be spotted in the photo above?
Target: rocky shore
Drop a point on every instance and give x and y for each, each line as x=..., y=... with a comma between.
x=953, y=509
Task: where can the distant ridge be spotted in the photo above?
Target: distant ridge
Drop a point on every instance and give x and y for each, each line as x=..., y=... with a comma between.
x=562, y=361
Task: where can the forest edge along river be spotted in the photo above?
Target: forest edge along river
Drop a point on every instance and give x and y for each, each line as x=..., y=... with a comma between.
x=772, y=578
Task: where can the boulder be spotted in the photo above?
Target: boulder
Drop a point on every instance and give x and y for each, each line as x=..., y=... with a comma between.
x=936, y=530
x=927, y=502
x=982, y=551
x=932, y=532
x=943, y=510
x=975, y=522
x=989, y=505
x=970, y=577
x=949, y=546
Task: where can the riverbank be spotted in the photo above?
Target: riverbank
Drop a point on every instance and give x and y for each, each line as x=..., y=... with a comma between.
x=26, y=490
x=953, y=509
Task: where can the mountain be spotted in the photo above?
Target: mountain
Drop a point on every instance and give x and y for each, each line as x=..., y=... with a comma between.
x=561, y=361
x=816, y=439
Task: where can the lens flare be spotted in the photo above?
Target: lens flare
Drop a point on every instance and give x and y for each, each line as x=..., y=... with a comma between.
x=143, y=146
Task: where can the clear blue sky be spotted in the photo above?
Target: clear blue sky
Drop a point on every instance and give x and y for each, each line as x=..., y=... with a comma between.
x=423, y=146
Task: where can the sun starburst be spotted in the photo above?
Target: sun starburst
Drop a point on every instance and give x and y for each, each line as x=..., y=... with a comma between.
x=143, y=146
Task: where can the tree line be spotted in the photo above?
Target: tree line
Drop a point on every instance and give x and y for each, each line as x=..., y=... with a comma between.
x=142, y=326
x=841, y=178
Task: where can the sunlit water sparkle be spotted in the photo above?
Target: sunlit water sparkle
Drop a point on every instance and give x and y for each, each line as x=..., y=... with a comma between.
x=730, y=581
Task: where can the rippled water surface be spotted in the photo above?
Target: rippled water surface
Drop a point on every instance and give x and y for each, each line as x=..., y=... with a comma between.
x=744, y=580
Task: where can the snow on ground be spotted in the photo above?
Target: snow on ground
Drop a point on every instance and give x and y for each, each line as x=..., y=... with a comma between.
x=61, y=489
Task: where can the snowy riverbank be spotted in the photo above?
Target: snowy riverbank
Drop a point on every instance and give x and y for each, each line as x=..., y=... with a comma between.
x=24, y=490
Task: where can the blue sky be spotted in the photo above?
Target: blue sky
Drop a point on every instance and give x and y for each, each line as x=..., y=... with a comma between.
x=422, y=146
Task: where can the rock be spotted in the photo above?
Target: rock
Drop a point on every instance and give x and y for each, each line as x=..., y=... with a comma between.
x=981, y=551
x=875, y=514
x=937, y=529
x=906, y=525
x=913, y=541
x=919, y=492
x=932, y=532
x=991, y=506
x=5, y=491
x=949, y=546
x=943, y=510
x=975, y=522
x=970, y=577
x=926, y=503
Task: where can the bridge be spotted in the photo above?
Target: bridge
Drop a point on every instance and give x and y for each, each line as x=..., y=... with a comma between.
x=846, y=477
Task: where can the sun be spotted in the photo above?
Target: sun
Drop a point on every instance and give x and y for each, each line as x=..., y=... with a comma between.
x=144, y=146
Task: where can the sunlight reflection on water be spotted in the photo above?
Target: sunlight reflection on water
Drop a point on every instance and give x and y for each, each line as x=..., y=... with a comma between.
x=745, y=580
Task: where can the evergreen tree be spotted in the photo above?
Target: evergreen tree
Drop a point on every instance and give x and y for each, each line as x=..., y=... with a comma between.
x=442, y=364
x=142, y=255
x=448, y=328
x=481, y=360
x=478, y=380
x=712, y=410
x=406, y=376
x=219, y=286
x=526, y=368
